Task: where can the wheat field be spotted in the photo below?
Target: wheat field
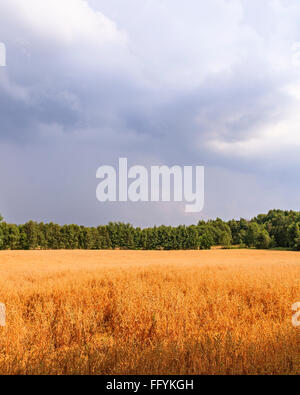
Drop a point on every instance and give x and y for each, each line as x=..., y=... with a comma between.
x=140, y=312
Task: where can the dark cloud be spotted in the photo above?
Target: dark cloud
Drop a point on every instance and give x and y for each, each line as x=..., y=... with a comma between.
x=202, y=84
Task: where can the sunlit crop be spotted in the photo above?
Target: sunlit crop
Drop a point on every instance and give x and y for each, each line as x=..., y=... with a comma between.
x=137, y=312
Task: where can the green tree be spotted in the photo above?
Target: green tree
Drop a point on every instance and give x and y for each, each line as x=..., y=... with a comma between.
x=206, y=241
x=225, y=239
x=252, y=234
x=293, y=235
x=263, y=240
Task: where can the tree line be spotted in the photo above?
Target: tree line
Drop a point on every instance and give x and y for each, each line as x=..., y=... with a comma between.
x=277, y=229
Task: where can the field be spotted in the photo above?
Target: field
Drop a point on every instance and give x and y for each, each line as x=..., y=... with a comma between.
x=137, y=312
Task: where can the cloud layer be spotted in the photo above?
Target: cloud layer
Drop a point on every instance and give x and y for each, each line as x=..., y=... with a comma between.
x=161, y=82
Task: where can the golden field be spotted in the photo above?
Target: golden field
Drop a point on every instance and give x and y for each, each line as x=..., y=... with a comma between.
x=142, y=312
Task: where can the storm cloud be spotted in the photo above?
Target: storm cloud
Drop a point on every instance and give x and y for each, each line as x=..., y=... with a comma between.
x=160, y=82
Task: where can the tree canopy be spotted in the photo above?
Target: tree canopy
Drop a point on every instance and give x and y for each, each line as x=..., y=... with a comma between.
x=276, y=229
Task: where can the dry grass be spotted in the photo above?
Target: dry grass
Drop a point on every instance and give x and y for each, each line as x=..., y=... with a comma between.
x=101, y=312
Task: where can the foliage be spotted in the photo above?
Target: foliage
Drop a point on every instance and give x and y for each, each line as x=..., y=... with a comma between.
x=277, y=229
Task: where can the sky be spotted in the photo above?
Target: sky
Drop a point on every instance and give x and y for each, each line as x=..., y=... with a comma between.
x=161, y=82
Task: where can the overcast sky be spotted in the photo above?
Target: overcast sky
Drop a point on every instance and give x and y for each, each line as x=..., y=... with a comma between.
x=213, y=83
